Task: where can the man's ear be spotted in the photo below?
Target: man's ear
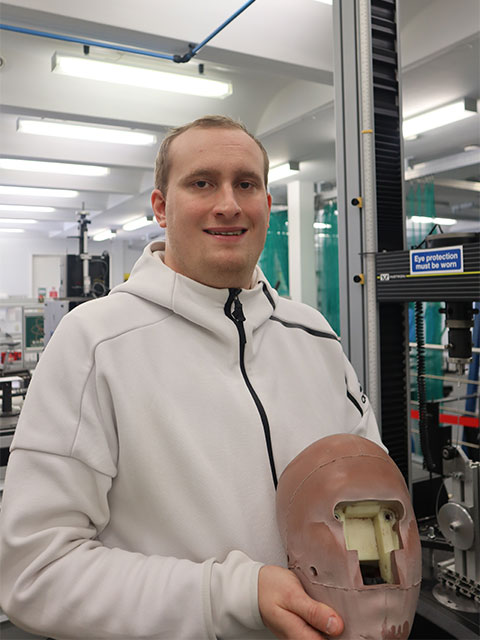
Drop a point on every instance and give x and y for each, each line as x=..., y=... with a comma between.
x=158, y=206
x=269, y=200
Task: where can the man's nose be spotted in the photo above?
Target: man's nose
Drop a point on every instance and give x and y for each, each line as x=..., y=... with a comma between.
x=226, y=203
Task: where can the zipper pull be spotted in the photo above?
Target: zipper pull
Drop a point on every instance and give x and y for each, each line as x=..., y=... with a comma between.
x=238, y=310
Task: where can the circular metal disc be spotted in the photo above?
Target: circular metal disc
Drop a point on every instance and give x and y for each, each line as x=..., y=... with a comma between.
x=456, y=524
x=453, y=600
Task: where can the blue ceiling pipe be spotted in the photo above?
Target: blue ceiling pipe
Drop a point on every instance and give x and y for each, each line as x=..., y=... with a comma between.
x=193, y=49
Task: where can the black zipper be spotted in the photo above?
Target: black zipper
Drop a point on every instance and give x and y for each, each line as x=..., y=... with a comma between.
x=234, y=311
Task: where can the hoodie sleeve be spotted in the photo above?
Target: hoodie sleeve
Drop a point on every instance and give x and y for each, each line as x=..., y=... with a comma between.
x=362, y=420
x=58, y=579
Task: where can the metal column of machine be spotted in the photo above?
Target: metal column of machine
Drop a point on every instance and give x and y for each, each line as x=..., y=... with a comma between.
x=370, y=193
x=83, y=252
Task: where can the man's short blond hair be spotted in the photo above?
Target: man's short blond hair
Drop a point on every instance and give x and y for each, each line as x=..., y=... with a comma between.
x=162, y=164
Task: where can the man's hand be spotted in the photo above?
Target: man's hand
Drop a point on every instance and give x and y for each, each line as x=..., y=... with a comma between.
x=289, y=612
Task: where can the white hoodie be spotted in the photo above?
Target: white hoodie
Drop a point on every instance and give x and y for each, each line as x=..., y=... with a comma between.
x=139, y=498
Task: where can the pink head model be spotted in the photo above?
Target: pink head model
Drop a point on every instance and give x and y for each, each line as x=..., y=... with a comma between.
x=348, y=527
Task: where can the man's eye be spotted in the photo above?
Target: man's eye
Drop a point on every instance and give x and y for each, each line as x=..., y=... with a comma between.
x=201, y=184
x=245, y=185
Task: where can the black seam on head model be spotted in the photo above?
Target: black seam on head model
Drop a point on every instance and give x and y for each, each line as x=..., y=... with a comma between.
x=313, y=332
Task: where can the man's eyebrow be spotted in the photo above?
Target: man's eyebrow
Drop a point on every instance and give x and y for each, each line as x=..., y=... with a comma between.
x=250, y=175
x=202, y=174
x=197, y=174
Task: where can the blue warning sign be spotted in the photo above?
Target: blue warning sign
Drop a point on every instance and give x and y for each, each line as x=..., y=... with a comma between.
x=438, y=261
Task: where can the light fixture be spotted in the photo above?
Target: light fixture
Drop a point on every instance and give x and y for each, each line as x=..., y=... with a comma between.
x=439, y=117
x=37, y=192
x=83, y=131
x=427, y=220
x=322, y=225
x=445, y=221
x=17, y=221
x=106, y=234
x=12, y=230
x=137, y=223
x=53, y=167
x=283, y=171
x=139, y=77
x=25, y=208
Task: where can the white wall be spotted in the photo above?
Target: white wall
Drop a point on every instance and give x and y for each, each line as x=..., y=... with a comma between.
x=130, y=256
x=16, y=260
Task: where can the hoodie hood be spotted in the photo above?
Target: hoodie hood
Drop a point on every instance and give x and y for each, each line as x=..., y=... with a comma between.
x=154, y=282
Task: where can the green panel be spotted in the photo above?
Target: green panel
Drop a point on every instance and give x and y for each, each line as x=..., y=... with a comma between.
x=274, y=259
x=34, y=332
x=326, y=248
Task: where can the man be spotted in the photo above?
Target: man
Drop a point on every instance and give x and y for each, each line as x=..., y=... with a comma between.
x=140, y=494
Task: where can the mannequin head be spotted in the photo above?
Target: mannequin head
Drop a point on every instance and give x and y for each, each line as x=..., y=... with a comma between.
x=348, y=527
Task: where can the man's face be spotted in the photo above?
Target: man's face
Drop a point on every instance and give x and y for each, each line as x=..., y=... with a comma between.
x=216, y=209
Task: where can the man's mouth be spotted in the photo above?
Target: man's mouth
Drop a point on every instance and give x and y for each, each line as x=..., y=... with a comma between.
x=214, y=232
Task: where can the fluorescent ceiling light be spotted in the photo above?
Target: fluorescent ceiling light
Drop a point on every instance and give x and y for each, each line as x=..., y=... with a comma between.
x=322, y=225
x=53, y=167
x=87, y=132
x=445, y=221
x=427, y=220
x=421, y=219
x=12, y=230
x=37, y=192
x=106, y=234
x=140, y=77
x=25, y=208
x=138, y=223
x=439, y=117
x=283, y=171
x=17, y=221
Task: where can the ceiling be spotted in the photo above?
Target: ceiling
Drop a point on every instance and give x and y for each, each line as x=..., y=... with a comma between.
x=278, y=56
